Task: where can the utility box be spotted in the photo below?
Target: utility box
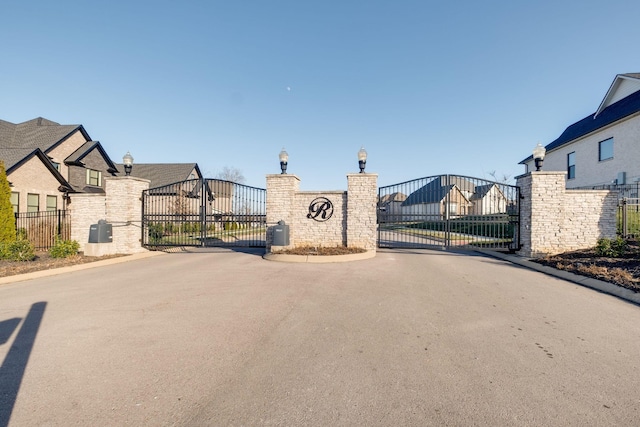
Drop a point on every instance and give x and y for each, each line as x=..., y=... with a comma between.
x=100, y=232
x=281, y=234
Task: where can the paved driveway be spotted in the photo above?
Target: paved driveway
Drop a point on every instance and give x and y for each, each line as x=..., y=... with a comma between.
x=406, y=338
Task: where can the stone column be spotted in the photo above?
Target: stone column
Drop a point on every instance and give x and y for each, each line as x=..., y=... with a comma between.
x=124, y=212
x=362, y=193
x=281, y=190
x=554, y=219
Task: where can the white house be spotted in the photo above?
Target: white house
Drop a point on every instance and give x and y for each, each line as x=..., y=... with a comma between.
x=604, y=147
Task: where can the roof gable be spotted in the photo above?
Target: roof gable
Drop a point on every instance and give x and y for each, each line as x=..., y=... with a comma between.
x=623, y=85
x=613, y=113
x=37, y=133
x=76, y=157
x=45, y=161
x=435, y=191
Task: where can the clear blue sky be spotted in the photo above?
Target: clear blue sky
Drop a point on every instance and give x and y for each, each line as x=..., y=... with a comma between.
x=461, y=87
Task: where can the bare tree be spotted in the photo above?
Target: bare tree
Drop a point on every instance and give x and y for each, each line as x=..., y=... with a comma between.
x=502, y=179
x=231, y=174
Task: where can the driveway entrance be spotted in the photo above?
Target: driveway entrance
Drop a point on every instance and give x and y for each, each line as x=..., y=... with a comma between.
x=228, y=338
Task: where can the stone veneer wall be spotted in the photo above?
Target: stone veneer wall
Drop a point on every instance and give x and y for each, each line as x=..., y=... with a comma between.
x=362, y=210
x=352, y=224
x=554, y=219
x=121, y=206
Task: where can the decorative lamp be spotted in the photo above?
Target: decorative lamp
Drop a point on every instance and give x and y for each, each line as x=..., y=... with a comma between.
x=127, y=161
x=284, y=158
x=362, y=159
x=538, y=156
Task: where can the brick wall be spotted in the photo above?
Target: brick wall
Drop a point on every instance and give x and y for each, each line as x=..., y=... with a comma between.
x=554, y=219
x=352, y=223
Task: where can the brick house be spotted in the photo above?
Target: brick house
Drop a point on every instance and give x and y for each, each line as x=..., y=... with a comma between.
x=46, y=161
x=601, y=149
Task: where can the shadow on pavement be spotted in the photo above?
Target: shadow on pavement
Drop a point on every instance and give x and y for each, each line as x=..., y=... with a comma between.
x=15, y=363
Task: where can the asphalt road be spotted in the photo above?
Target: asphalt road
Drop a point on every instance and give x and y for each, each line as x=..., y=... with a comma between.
x=407, y=338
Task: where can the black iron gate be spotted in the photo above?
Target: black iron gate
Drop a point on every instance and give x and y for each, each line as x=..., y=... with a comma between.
x=449, y=211
x=204, y=212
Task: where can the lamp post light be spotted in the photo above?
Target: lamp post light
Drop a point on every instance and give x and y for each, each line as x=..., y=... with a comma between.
x=362, y=159
x=284, y=158
x=127, y=161
x=538, y=156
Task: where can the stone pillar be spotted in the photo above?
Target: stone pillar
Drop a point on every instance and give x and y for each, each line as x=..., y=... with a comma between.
x=124, y=212
x=362, y=192
x=281, y=191
x=554, y=219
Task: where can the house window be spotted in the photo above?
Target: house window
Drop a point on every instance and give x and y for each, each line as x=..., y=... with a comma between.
x=15, y=202
x=571, y=165
x=605, y=149
x=33, y=202
x=56, y=165
x=94, y=177
x=52, y=203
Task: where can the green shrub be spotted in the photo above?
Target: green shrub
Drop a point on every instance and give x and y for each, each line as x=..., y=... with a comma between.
x=613, y=248
x=18, y=250
x=22, y=234
x=7, y=218
x=230, y=226
x=64, y=248
x=155, y=232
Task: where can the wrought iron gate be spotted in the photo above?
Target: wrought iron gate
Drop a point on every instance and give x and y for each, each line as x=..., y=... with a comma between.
x=449, y=211
x=204, y=212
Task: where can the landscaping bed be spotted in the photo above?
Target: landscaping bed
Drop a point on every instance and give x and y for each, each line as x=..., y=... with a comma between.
x=44, y=261
x=622, y=270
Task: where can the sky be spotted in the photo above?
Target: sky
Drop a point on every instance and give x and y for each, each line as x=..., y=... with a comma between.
x=426, y=87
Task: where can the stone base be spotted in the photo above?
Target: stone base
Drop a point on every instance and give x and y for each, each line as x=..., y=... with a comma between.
x=99, y=249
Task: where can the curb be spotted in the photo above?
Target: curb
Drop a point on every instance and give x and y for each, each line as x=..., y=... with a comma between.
x=598, y=285
x=318, y=259
x=79, y=267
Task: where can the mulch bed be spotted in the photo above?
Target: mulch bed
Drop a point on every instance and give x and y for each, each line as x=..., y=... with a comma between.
x=322, y=251
x=623, y=271
x=44, y=262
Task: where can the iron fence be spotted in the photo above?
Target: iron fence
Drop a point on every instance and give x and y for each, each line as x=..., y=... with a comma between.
x=449, y=211
x=204, y=212
x=628, y=218
x=42, y=228
x=625, y=191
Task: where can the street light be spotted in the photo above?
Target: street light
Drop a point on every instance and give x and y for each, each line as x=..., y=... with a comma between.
x=127, y=160
x=538, y=156
x=284, y=158
x=362, y=159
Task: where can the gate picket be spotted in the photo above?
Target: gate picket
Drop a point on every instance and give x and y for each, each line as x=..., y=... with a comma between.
x=205, y=213
x=449, y=211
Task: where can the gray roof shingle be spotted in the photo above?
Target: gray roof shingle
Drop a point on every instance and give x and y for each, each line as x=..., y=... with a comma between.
x=161, y=174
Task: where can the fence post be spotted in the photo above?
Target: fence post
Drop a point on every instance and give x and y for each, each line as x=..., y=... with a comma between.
x=625, y=232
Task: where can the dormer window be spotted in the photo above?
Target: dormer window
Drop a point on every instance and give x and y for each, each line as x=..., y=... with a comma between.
x=94, y=178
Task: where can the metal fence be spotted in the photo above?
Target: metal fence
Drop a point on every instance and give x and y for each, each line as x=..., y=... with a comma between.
x=449, y=211
x=625, y=191
x=628, y=218
x=204, y=212
x=42, y=228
